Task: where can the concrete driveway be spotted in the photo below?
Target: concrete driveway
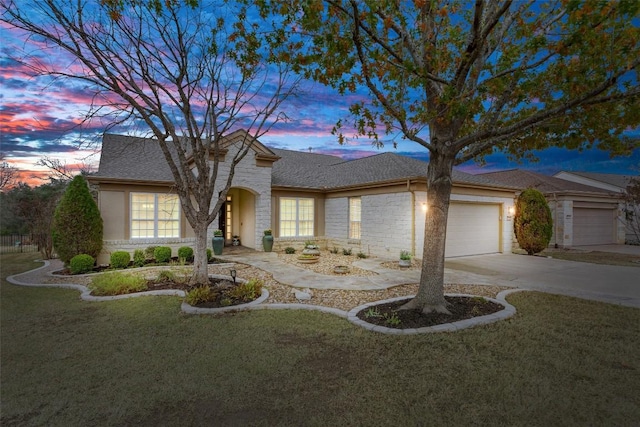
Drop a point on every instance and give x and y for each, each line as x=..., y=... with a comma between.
x=607, y=283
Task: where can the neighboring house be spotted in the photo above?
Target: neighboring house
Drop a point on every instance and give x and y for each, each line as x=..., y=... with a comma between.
x=611, y=182
x=582, y=214
x=375, y=205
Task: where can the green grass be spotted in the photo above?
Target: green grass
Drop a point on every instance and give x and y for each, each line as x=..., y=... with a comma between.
x=117, y=283
x=560, y=361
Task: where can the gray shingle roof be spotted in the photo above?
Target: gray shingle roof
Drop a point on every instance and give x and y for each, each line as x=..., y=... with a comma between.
x=608, y=178
x=523, y=179
x=126, y=157
x=140, y=159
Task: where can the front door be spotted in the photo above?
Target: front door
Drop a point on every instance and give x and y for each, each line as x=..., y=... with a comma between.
x=225, y=217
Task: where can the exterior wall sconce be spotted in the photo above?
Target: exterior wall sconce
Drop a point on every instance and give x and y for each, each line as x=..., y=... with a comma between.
x=512, y=210
x=424, y=207
x=233, y=276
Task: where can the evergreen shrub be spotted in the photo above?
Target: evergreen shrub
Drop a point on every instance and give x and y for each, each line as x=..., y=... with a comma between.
x=532, y=224
x=81, y=264
x=120, y=259
x=162, y=254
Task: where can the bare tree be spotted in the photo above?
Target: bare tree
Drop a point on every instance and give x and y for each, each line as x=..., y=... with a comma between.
x=190, y=72
x=8, y=174
x=463, y=78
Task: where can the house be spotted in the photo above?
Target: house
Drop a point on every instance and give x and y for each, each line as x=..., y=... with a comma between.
x=611, y=182
x=582, y=214
x=375, y=205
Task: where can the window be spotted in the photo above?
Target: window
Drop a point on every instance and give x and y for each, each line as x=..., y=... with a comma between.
x=355, y=214
x=154, y=215
x=296, y=217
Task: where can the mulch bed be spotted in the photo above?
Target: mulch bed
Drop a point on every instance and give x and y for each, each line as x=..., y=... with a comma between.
x=461, y=308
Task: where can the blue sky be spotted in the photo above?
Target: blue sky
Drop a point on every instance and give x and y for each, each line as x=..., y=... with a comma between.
x=42, y=117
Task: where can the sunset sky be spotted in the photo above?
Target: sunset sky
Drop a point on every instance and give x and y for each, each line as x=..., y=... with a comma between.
x=44, y=117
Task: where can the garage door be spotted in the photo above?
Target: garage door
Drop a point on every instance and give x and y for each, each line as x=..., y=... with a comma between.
x=593, y=226
x=473, y=229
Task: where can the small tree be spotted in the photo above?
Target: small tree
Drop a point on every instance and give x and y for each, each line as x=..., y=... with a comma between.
x=533, y=224
x=77, y=224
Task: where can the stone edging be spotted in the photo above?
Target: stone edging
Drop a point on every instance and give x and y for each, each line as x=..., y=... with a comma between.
x=85, y=294
x=507, y=312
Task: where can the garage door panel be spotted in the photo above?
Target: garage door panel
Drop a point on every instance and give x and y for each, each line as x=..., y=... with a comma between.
x=593, y=226
x=473, y=229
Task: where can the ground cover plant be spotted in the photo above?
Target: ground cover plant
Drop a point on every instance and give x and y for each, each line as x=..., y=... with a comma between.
x=559, y=361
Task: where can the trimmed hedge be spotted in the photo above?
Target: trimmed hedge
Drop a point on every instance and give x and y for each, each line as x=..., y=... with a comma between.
x=81, y=264
x=186, y=253
x=162, y=254
x=120, y=259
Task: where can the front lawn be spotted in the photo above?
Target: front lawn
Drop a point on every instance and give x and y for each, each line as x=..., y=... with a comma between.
x=559, y=361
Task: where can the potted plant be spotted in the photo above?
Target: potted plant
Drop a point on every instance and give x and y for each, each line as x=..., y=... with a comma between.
x=405, y=259
x=310, y=248
x=217, y=242
x=267, y=240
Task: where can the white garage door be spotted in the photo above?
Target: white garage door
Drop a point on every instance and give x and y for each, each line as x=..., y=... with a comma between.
x=473, y=229
x=593, y=226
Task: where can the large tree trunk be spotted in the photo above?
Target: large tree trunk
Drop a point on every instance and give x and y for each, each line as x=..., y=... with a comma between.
x=430, y=296
x=200, y=262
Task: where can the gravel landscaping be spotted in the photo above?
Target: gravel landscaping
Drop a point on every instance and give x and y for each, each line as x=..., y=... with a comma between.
x=340, y=299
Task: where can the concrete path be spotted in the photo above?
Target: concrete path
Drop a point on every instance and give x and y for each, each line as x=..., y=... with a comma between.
x=292, y=275
x=608, y=283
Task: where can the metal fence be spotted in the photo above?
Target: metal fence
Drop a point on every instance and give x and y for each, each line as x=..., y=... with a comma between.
x=17, y=243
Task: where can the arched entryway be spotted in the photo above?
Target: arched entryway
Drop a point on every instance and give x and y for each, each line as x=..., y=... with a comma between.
x=238, y=217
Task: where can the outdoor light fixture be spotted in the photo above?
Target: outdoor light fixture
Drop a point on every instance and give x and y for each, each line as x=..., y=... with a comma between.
x=233, y=276
x=424, y=207
x=512, y=210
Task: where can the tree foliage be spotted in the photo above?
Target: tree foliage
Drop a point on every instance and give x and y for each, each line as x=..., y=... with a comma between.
x=30, y=210
x=77, y=224
x=465, y=78
x=188, y=73
x=532, y=224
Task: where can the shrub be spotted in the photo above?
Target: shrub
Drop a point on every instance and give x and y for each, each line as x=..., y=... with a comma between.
x=138, y=257
x=81, y=264
x=289, y=250
x=334, y=250
x=200, y=294
x=149, y=252
x=117, y=283
x=77, y=225
x=362, y=255
x=162, y=254
x=247, y=291
x=209, y=254
x=120, y=259
x=532, y=224
x=405, y=255
x=346, y=251
x=186, y=253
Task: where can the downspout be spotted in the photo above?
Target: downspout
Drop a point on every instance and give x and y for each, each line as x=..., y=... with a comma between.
x=413, y=217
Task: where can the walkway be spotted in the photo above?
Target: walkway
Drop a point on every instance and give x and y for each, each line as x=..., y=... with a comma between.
x=300, y=277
